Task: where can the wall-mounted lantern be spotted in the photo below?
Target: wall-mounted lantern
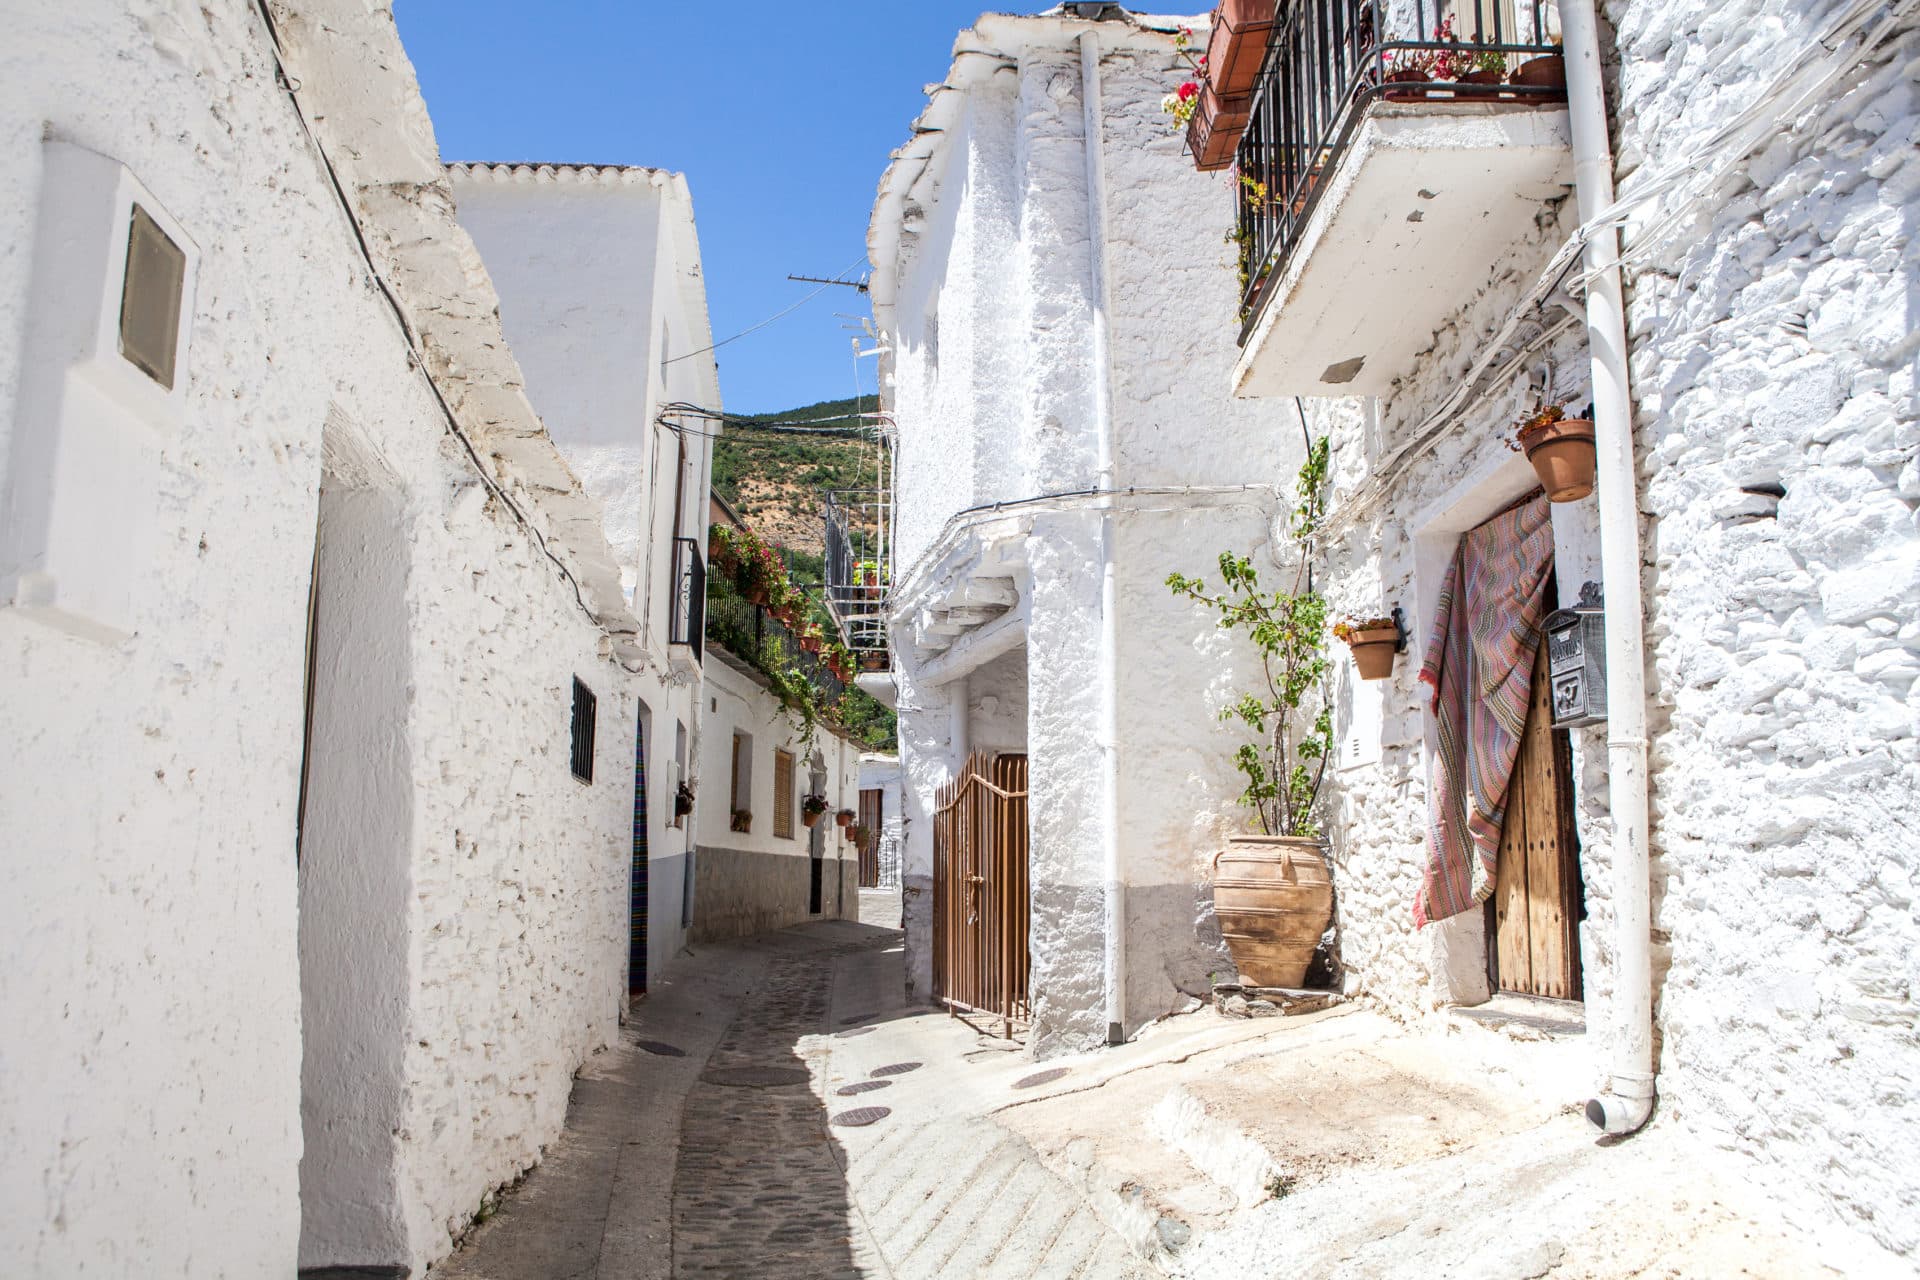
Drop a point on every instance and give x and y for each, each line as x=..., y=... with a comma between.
x=1577, y=661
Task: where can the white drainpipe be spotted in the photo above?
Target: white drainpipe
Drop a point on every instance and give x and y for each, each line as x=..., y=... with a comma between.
x=1630, y=1100
x=1093, y=139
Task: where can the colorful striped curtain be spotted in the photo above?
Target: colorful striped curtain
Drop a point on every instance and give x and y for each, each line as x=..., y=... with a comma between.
x=1480, y=666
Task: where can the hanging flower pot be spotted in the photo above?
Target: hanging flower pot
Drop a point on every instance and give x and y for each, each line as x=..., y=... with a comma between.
x=812, y=808
x=1547, y=72
x=1561, y=451
x=1237, y=44
x=1213, y=134
x=1374, y=644
x=810, y=642
x=843, y=819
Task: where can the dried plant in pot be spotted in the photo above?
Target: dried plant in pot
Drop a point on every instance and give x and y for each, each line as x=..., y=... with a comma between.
x=741, y=821
x=1374, y=642
x=1273, y=892
x=843, y=818
x=1561, y=451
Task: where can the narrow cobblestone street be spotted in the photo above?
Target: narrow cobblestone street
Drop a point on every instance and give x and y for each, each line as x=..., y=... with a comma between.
x=701, y=1145
x=776, y=1109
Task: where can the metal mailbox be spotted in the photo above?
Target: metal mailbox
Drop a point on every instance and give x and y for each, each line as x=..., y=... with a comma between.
x=1577, y=661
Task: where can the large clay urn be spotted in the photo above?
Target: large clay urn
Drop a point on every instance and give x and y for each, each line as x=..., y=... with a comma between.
x=1273, y=898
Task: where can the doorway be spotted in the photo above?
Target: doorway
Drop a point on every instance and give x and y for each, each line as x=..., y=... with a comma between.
x=355, y=874
x=637, y=885
x=981, y=904
x=1539, y=898
x=817, y=846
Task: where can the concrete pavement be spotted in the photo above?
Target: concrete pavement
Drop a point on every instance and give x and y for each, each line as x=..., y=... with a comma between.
x=775, y=1109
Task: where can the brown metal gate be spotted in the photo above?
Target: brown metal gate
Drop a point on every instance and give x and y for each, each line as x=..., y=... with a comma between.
x=980, y=889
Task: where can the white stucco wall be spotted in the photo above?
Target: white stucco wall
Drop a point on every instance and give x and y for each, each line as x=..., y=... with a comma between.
x=753, y=880
x=1772, y=349
x=988, y=229
x=599, y=275
x=151, y=1093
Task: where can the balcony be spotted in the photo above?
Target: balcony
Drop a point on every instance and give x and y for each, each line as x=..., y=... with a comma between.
x=1394, y=152
x=859, y=571
x=688, y=623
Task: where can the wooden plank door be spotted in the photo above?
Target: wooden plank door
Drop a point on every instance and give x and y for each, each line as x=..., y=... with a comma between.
x=1538, y=898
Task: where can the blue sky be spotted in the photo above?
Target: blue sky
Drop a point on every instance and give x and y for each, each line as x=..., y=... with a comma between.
x=781, y=116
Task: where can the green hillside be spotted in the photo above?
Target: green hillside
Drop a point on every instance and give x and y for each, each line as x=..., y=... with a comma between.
x=775, y=481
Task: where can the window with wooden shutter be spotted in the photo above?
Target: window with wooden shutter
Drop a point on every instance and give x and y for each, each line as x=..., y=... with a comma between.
x=783, y=794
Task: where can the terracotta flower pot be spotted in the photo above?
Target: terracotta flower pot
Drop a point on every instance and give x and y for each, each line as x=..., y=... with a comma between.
x=1374, y=652
x=1237, y=44
x=843, y=819
x=1562, y=456
x=754, y=593
x=1480, y=78
x=1405, y=76
x=1548, y=72
x=811, y=819
x=1273, y=897
x=1213, y=135
x=810, y=643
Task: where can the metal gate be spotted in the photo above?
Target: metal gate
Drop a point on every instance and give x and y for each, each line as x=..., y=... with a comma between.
x=980, y=890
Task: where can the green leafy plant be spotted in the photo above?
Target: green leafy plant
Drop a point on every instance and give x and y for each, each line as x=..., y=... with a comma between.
x=1292, y=724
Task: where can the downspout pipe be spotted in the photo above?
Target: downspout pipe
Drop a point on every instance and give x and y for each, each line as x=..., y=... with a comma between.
x=1629, y=1100
x=1093, y=136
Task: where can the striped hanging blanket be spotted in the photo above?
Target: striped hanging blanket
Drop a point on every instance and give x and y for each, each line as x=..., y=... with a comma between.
x=1480, y=665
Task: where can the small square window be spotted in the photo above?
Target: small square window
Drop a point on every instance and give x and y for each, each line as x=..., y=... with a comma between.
x=583, y=718
x=150, y=298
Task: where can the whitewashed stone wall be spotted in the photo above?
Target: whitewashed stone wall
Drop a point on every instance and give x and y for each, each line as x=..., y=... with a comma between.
x=1773, y=365
x=151, y=1096
x=989, y=233
x=599, y=274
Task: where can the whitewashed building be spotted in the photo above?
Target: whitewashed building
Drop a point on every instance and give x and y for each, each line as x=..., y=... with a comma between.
x=1734, y=834
x=1734, y=840
x=321, y=675
x=603, y=301
x=758, y=865
x=1056, y=333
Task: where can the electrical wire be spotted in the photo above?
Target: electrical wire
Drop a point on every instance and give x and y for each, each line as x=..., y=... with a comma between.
x=770, y=319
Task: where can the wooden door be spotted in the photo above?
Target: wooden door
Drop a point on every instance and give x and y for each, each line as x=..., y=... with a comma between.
x=871, y=816
x=1538, y=899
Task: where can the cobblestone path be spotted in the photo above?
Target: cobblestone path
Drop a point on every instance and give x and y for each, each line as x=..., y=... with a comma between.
x=758, y=1191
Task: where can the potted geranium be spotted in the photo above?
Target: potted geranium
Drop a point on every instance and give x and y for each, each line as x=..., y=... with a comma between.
x=811, y=637
x=1561, y=451
x=812, y=807
x=1273, y=894
x=843, y=818
x=861, y=836
x=1374, y=642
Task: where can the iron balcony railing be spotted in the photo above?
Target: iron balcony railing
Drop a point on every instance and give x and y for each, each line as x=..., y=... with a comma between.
x=858, y=568
x=751, y=634
x=689, y=622
x=1328, y=60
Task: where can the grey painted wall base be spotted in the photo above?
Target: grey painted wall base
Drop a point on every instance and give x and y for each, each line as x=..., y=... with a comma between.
x=738, y=892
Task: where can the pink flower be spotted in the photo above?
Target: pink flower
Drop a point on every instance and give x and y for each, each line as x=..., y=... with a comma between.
x=1187, y=90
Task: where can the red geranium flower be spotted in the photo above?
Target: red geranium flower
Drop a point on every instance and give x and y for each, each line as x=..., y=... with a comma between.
x=1187, y=90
